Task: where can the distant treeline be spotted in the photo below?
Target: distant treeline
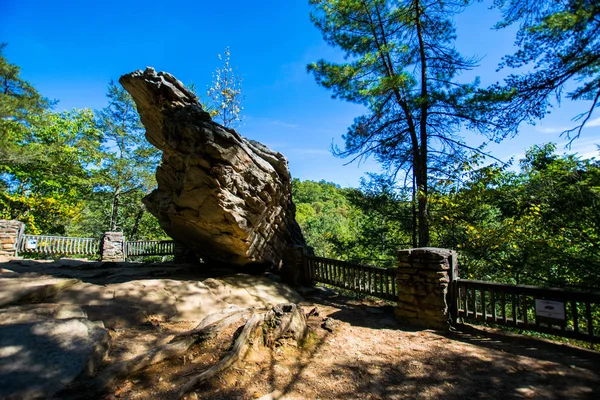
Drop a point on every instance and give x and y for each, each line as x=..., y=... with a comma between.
x=537, y=225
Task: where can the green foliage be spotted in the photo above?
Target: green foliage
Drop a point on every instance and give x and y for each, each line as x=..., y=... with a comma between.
x=537, y=226
x=204, y=104
x=69, y=172
x=560, y=40
x=351, y=224
x=47, y=185
x=126, y=173
x=403, y=67
x=21, y=106
x=383, y=222
x=225, y=94
x=324, y=214
x=45, y=157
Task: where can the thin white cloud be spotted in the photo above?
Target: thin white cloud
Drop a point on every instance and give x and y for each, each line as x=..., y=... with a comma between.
x=588, y=154
x=560, y=129
x=284, y=124
x=550, y=129
x=583, y=148
x=593, y=122
x=274, y=122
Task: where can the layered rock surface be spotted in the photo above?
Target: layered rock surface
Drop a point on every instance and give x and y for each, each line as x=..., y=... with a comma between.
x=55, y=316
x=223, y=196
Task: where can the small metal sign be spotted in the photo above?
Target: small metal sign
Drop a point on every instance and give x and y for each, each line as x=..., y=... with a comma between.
x=31, y=244
x=550, y=309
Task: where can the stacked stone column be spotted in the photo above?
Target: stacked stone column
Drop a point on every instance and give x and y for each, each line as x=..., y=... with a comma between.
x=112, y=247
x=423, y=278
x=9, y=237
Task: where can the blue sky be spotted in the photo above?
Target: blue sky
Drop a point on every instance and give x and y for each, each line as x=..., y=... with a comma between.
x=71, y=50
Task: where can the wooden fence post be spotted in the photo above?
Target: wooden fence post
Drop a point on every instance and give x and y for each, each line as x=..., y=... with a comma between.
x=452, y=296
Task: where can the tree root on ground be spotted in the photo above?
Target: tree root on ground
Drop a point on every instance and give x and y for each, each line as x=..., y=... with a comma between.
x=264, y=327
x=239, y=350
x=177, y=347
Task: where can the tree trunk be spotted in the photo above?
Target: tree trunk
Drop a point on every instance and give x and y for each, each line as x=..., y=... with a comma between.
x=422, y=157
x=414, y=212
x=115, y=209
x=138, y=220
x=422, y=214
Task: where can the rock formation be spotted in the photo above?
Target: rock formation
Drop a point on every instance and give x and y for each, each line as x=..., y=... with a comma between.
x=221, y=195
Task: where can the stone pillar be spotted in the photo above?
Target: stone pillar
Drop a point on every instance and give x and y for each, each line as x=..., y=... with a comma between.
x=112, y=247
x=293, y=271
x=11, y=232
x=423, y=278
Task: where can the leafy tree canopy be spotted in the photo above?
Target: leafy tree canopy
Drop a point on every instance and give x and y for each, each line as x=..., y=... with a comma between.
x=403, y=67
x=560, y=42
x=48, y=183
x=21, y=106
x=225, y=93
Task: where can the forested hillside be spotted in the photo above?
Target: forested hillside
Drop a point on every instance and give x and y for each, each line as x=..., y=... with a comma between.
x=536, y=223
x=84, y=172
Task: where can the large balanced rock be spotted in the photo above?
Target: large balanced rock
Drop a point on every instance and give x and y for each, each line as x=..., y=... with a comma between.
x=221, y=195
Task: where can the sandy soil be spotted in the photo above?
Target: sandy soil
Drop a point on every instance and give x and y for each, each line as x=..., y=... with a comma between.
x=369, y=356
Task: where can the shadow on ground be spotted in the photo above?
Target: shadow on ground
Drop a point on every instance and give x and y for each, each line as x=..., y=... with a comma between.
x=368, y=355
x=115, y=272
x=372, y=356
x=166, y=291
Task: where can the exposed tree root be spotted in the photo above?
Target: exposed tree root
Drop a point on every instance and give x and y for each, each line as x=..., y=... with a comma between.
x=214, y=322
x=282, y=321
x=262, y=327
x=239, y=350
x=177, y=347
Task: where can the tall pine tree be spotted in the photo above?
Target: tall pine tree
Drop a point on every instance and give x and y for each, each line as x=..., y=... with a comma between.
x=403, y=67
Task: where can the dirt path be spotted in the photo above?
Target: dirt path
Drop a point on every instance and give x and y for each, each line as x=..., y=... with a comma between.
x=369, y=356
x=364, y=353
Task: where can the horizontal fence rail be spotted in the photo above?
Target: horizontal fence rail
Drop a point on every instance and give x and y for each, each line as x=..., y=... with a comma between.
x=59, y=245
x=150, y=248
x=374, y=281
x=557, y=312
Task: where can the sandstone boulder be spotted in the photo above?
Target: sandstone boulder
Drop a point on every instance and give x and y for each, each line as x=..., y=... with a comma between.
x=223, y=196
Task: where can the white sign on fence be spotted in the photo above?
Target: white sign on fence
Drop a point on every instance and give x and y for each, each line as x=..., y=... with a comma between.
x=550, y=309
x=31, y=244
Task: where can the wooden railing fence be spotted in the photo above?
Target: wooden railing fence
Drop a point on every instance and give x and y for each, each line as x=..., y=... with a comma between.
x=59, y=245
x=150, y=248
x=366, y=279
x=46, y=245
x=553, y=311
